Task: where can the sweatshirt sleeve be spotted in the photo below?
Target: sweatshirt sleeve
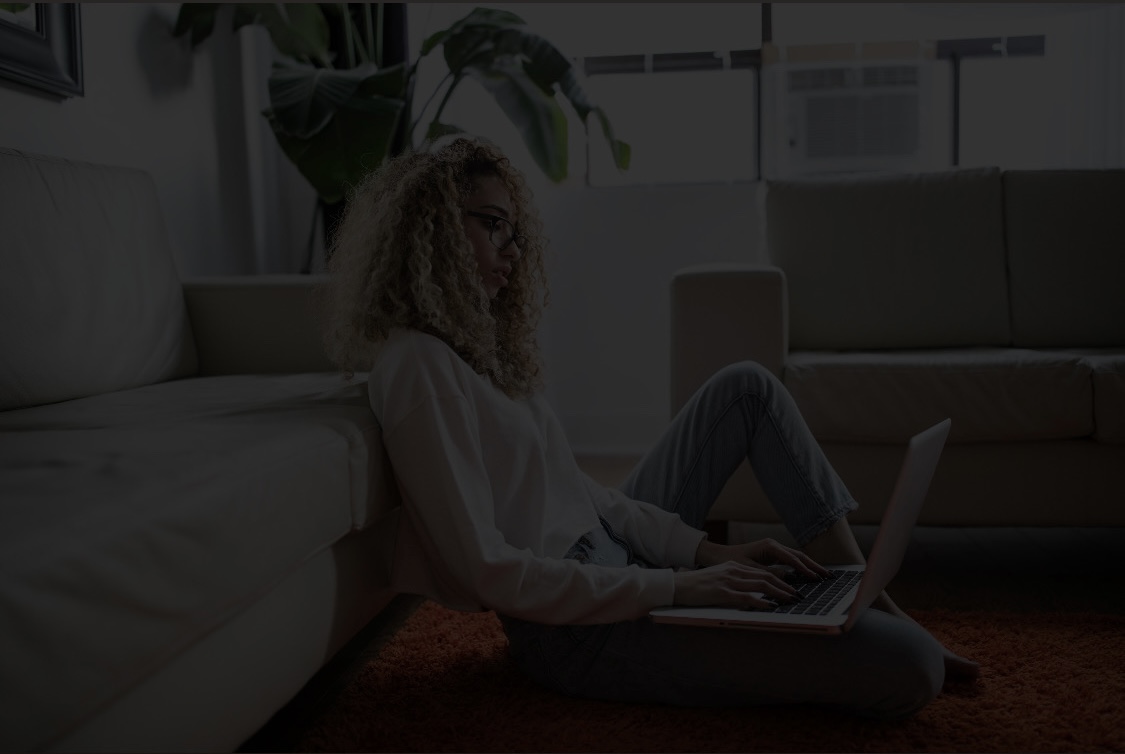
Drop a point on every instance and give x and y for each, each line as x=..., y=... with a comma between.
x=657, y=535
x=434, y=450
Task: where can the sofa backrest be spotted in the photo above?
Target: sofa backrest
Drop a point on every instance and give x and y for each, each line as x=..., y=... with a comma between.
x=90, y=301
x=892, y=261
x=1066, y=256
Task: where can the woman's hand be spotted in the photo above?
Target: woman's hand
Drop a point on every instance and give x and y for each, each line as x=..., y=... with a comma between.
x=732, y=584
x=759, y=554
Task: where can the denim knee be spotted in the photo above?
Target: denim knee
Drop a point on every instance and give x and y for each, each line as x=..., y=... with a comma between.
x=917, y=686
x=913, y=681
x=744, y=377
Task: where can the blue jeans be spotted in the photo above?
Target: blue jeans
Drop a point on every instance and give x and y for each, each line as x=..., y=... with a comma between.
x=883, y=667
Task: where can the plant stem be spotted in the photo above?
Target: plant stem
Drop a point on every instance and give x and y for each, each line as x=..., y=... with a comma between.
x=445, y=99
x=414, y=125
x=402, y=138
x=381, y=19
x=373, y=51
x=349, y=41
x=359, y=44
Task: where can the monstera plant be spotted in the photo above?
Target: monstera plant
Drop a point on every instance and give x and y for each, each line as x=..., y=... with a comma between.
x=337, y=111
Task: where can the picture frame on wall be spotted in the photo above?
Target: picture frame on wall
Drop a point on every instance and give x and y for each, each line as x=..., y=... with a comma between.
x=41, y=47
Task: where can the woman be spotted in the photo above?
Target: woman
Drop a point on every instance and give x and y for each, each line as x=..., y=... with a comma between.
x=437, y=285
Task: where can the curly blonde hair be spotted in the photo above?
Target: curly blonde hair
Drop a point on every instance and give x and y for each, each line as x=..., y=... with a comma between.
x=401, y=258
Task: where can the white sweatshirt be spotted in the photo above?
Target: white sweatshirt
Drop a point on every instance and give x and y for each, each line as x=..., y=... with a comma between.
x=493, y=499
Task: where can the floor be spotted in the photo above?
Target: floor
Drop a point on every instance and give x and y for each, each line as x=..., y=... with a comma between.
x=1016, y=569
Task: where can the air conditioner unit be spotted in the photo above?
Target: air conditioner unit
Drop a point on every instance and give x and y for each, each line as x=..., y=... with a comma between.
x=853, y=116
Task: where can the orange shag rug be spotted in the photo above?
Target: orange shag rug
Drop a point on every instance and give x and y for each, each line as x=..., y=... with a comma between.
x=1049, y=682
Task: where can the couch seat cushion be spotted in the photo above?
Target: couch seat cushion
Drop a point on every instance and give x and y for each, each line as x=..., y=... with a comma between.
x=992, y=394
x=135, y=523
x=1108, y=368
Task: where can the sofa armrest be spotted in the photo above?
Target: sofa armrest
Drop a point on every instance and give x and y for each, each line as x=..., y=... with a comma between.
x=724, y=313
x=259, y=324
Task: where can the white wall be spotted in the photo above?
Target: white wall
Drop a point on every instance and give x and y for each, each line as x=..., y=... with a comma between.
x=152, y=104
x=605, y=333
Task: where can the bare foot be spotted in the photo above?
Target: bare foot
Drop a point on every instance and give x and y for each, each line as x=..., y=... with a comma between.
x=958, y=668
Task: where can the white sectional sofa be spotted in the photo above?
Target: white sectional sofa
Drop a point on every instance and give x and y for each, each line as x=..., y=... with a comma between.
x=188, y=491
x=891, y=302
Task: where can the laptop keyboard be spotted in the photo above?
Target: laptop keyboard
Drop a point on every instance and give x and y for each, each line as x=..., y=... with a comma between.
x=819, y=597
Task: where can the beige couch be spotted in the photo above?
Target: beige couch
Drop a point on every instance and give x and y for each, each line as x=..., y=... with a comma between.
x=187, y=490
x=891, y=302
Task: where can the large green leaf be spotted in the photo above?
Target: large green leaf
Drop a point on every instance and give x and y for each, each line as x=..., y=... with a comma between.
x=437, y=130
x=481, y=36
x=356, y=140
x=388, y=81
x=537, y=115
x=484, y=48
x=582, y=105
x=303, y=99
x=622, y=152
x=487, y=17
x=198, y=18
x=474, y=44
x=298, y=30
x=474, y=39
x=432, y=41
x=245, y=14
x=543, y=61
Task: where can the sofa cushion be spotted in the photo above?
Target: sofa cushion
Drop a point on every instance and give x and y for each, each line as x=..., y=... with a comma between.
x=1066, y=232
x=992, y=395
x=1107, y=366
x=90, y=301
x=903, y=261
x=134, y=524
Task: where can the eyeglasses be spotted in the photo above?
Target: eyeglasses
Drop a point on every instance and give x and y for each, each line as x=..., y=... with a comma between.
x=500, y=232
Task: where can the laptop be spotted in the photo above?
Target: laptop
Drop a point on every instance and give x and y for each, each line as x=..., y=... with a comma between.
x=832, y=606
